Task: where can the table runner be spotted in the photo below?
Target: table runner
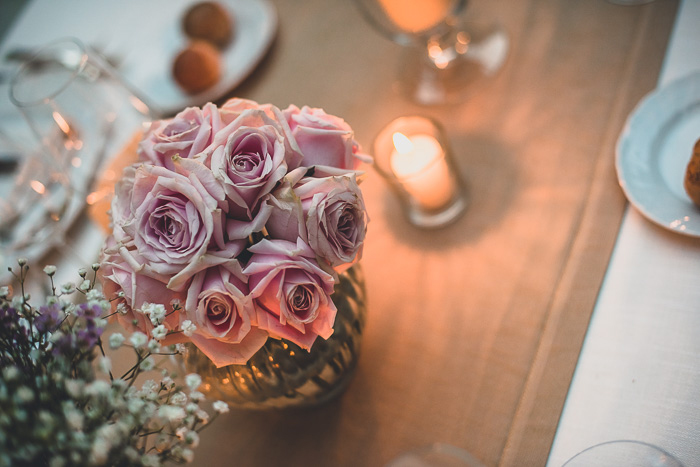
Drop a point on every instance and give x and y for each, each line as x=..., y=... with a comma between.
x=473, y=331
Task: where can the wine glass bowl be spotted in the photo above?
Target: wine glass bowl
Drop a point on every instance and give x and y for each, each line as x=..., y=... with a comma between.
x=623, y=453
x=444, y=56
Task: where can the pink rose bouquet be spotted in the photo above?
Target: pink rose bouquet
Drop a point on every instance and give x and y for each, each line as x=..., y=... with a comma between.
x=238, y=219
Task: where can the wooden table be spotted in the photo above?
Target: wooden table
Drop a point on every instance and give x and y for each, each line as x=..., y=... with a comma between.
x=474, y=330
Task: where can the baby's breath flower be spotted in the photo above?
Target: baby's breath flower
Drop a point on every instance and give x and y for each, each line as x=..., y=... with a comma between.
x=202, y=416
x=167, y=382
x=122, y=309
x=4, y=291
x=94, y=295
x=193, y=380
x=150, y=460
x=196, y=396
x=220, y=407
x=171, y=413
x=179, y=398
x=181, y=432
x=188, y=327
x=138, y=339
x=153, y=346
x=82, y=272
x=147, y=364
x=192, y=439
x=10, y=373
x=50, y=270
x=68, y=288
x=85, y=285
x=24, y=395
x=73, y=416
x=105, y=364
x=159, y=332
x=97, y=388
x=155, y=312
x=116, y=340
x=187, y=455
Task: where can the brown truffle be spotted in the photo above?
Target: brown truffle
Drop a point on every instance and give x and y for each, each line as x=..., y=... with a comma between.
x=208, y=21
x=197, y=67
x=692, y=175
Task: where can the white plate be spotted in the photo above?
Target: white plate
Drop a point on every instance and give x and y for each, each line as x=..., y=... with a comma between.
x=653, y=152
x=255, y=24
x=145, y=36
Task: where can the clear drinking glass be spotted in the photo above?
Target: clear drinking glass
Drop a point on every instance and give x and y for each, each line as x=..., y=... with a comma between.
x=445, y=56
x=436, y=455
x=81, y=112
x=623, y=453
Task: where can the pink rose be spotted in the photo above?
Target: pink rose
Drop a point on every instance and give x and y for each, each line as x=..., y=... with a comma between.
x=291, y=293
x=116, y=275
x=176, y=221
x=233, y=108
x=217, y=303
x=324, y=139
x=249, y=156
x=328, y=213
x=185, y=135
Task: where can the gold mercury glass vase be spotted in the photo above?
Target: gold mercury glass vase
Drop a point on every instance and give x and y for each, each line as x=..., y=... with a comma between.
x=282, y=374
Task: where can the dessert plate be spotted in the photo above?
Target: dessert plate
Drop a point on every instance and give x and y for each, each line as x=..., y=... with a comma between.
x=144, y=37
x=653, y=152
x=255, y=24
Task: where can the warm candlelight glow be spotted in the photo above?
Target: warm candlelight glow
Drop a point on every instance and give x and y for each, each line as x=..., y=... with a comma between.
x=419, y=163
x=418, y=15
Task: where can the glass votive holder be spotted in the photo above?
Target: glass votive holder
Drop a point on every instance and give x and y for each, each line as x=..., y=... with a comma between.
x=412, y=154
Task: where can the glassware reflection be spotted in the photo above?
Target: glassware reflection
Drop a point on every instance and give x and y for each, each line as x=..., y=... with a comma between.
x=444, y=56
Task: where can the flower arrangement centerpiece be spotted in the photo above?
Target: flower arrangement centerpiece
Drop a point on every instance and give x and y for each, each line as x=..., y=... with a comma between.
x=61, y=401
x=243, y=219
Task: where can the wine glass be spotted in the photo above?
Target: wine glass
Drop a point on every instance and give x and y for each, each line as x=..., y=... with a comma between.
x=623, y=453
x=444, y=57
x=436, y=455
x=82, y=113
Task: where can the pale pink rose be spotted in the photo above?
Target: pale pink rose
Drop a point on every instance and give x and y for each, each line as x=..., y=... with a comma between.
x=291, y=293
x=218, y=304
x=177, y=221
x=233, y=108
x=328, y=213
x=185, y=135
x=248, y=157
x=324, y=139
x=116, y=275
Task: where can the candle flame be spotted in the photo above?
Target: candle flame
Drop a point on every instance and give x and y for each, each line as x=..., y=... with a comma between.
x=402, y=143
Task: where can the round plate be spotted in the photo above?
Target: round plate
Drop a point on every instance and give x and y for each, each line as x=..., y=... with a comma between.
x=653, y=152
x=255, y=25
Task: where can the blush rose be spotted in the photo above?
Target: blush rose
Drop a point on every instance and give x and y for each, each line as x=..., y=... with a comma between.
x=291, y=292
x=218, y=303
x=324, y=139
x=185, y=135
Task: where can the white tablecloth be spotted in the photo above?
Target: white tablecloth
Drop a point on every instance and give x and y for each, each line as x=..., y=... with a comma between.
x=638, y=376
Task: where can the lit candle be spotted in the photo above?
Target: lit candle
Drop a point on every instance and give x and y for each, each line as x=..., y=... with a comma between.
x=419, y=163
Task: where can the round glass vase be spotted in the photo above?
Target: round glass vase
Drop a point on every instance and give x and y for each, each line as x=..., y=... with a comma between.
x=282, y=374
